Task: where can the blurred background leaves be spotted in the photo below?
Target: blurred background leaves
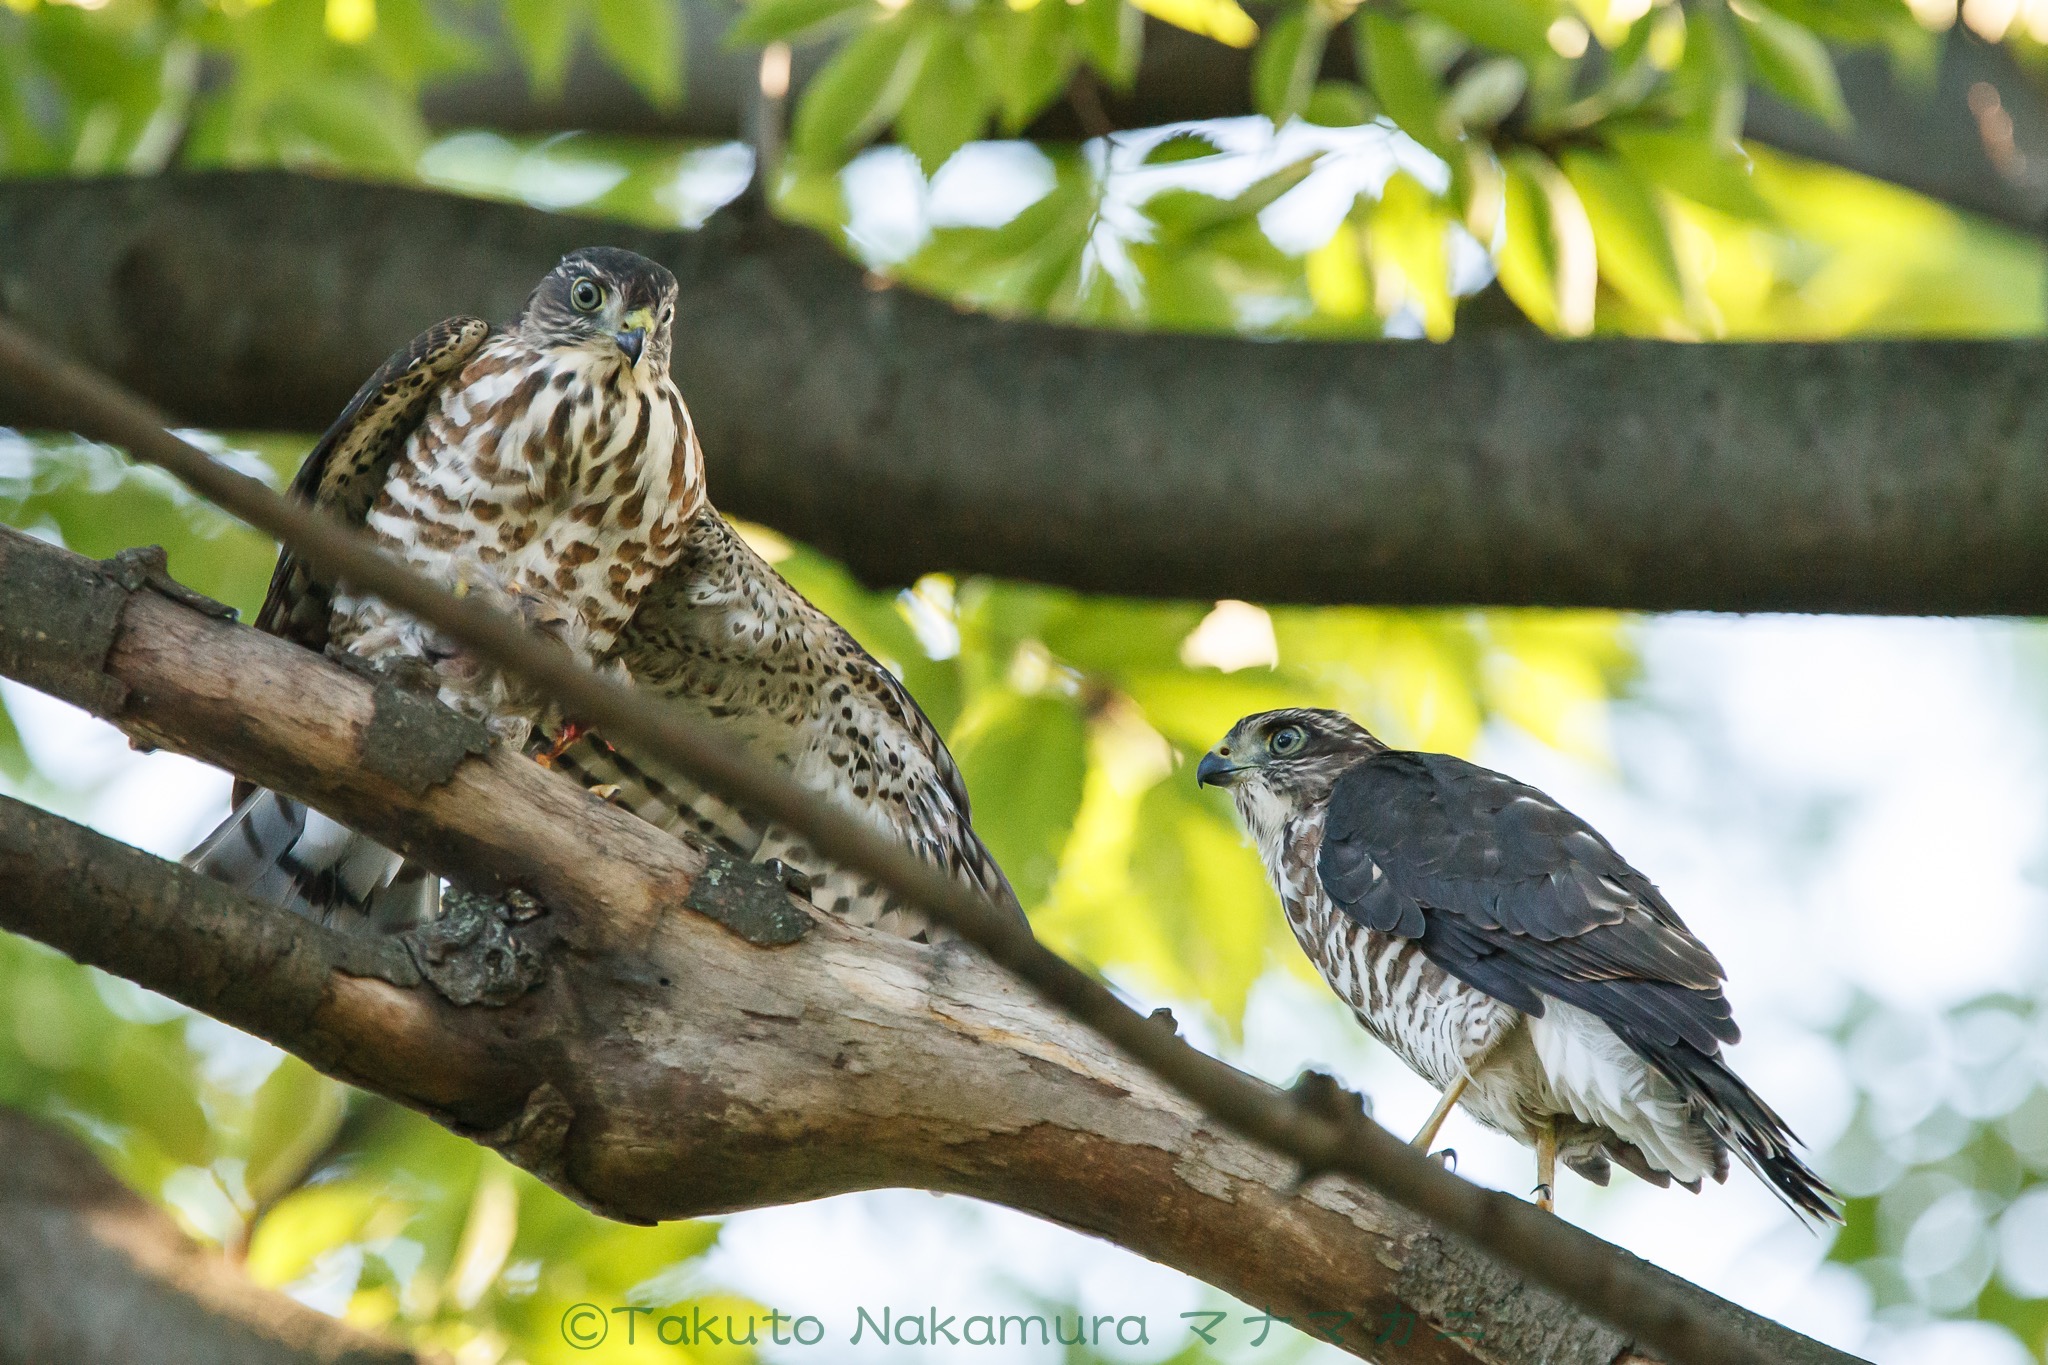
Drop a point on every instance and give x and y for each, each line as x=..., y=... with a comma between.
x=1404, y=170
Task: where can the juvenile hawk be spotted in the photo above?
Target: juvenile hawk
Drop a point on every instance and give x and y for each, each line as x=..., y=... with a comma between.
x=724, y=636
x=511, y=483
x=550, y=466
x=1506, y=953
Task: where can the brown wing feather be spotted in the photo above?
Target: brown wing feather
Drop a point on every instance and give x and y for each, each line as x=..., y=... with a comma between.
x=346, y=470
x=725, y=635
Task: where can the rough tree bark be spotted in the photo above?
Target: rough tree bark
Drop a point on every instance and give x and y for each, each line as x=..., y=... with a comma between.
x=655, y=1063
x=90, y=1271
x=904, y=436
x=1924, y=135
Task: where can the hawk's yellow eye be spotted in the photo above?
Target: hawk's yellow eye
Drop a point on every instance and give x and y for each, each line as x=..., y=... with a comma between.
x=587, y=294
x=1287, y=739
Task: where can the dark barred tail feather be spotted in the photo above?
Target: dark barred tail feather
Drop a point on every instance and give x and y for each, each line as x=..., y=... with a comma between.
x=1740, y=1118
x=285, y=854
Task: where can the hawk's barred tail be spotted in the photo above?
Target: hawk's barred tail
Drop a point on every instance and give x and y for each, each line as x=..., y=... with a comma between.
x=1740, y=1118
x=285, y=854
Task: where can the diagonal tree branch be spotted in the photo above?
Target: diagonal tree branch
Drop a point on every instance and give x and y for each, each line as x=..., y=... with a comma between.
x=1318, y=1127
x=656, y=1063
x=91, y=1271
x=904, y=436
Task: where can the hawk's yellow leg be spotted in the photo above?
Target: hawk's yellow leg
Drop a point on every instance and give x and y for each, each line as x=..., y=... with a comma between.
x=1546, y=1166
x=1440, y=1113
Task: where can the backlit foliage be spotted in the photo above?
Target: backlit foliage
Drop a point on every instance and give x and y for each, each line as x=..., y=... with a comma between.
x=1406, y=168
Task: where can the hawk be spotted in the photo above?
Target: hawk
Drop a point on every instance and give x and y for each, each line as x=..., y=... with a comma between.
x=724, y=636
x=1504, y=951
x=549, y=465
x=482, y=460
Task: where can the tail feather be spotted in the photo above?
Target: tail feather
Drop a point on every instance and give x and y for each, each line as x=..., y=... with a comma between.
x=286, y=854
x=1740, y=1118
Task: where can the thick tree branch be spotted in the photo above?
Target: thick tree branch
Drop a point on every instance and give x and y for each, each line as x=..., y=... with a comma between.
x=658, y=1066
x=1926, y=136
x=904, y=436
x=91, y=1271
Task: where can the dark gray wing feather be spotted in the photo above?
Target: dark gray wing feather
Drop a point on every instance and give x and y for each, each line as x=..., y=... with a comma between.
x=346, y=470
x=1509, y=891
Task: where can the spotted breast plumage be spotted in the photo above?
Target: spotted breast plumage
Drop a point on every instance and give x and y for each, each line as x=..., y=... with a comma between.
x=1503, y=950
x=549, y=466
x=725, y=637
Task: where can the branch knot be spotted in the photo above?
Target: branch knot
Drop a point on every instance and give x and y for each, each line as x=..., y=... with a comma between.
x=471, y=953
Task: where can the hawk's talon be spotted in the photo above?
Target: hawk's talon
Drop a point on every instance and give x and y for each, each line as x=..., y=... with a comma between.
x=568, y=735
x=795, y=880
x=1546, y=1198
x=1447, y=1157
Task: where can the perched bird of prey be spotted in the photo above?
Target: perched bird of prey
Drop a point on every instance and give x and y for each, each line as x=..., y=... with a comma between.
x=554, y=466
x=724, y=636
x=1504, y=951
x=550, y=466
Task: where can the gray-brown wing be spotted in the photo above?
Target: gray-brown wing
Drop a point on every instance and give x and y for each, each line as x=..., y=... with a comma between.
x=725, y=637
x=346, y=470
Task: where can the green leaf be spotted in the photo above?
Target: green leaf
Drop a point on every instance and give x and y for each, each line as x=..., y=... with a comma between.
x=861, y=88
x=949, y=105
x=1340, y=104
x=1527, y=256
x=767, y=21
x=152, y=1073
x=1708, y=90
x=1195, y=707
x=1633, y=239
x=1109, y=636
x=347, y=119
x=1024, y=265
x=544, y=32
x=1719, y=177
x=1185, y=216
x=1520, y=27
x=1112, y=34
x=1206, y=891
x=1487, y=93
x=1408, y=241
x=1024, y=759
x=644, y=39
x=14, y=762
x=1033, y=59
x=1223, y=20
x=1794, y=63
x=297, y=1113
x=1189, y=146
x=1405, y=88
x=304, y=1226
x=1855, y=23
x=1289, y=57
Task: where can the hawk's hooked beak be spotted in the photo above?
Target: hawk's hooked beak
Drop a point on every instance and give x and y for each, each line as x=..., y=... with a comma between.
x=632, y=337
x=1216, y=770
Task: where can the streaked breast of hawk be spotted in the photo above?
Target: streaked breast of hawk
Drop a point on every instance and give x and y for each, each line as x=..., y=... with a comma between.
x=1504, y=951
x=549, y=465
